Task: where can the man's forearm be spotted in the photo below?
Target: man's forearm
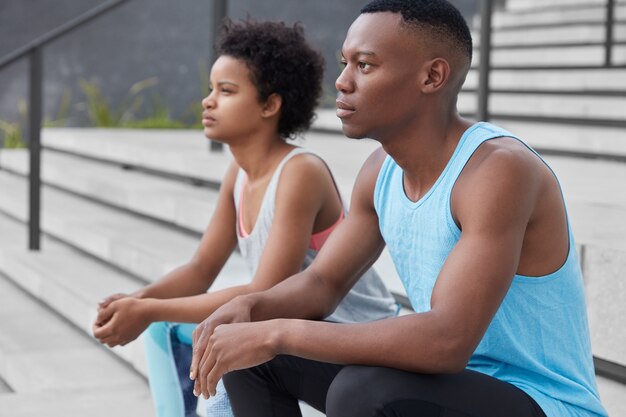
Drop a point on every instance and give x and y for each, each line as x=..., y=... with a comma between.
x=410, y=343
x=302, y=296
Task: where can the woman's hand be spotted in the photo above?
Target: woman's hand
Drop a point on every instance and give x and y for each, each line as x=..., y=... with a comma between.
x=121, y=321
x=104, y=304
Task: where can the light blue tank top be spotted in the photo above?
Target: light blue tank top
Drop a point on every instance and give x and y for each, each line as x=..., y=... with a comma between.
x=539, y=338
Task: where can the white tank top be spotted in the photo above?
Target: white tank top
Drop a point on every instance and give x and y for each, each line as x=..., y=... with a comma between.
x=368, y=300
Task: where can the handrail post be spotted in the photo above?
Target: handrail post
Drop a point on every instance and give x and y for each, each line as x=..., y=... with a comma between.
x=218, y=14
x=34, y=144
x=608, y=27
x=485, y=60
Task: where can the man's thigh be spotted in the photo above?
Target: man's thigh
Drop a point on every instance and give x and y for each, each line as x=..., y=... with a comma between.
x=375, y=391
x=274, y=388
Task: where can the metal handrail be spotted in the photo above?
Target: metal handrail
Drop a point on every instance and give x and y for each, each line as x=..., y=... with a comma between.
x=60, y=31
x=485, y=60
x=609, y=25
x=34, y=52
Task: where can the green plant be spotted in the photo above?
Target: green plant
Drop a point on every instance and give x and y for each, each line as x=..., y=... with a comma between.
x=159, y=119
x=102, y=114
x=62, y=112
x=12, y=131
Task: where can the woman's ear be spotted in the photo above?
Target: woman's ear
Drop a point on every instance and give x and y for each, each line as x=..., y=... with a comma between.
x=434, y=76
x=272, y=105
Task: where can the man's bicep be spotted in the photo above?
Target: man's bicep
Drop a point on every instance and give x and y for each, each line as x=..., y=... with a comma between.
x=493, y=215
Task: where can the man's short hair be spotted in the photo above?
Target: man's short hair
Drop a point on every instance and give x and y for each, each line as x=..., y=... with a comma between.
x=439, y=17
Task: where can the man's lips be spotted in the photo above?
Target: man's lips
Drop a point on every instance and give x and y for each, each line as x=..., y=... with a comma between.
x=344, y=109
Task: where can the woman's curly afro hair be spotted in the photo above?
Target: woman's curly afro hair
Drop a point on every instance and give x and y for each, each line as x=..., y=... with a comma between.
x=280, y=62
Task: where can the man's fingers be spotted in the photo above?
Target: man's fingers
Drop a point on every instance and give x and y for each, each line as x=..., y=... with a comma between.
x=200, y=342
x=214, y=377
x=206, y=367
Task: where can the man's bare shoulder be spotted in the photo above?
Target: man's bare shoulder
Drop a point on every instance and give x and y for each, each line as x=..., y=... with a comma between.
x=502, y=173
x=503, y=156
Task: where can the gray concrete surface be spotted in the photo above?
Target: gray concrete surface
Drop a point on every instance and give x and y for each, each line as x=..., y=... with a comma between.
x=56, y=370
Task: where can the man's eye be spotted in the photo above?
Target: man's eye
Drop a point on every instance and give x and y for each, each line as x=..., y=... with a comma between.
x=364, y=65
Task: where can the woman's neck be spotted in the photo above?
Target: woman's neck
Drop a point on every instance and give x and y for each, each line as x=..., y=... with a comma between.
x=259, y=157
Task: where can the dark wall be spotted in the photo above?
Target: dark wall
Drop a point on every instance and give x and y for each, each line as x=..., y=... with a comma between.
x=148, y=38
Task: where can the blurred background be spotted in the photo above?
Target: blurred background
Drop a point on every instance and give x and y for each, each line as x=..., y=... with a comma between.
x=119, y=181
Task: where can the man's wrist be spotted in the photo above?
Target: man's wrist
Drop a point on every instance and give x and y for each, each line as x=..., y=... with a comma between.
x=281, y=334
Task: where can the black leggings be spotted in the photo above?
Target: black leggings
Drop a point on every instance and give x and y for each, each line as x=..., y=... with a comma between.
x=274, y=388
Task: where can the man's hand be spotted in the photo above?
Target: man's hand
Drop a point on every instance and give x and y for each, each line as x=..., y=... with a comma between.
x=236, y=346
x=121, y=321
x=235, y=311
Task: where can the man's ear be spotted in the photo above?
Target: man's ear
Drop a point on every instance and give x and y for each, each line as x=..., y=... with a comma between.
x=434, y=75
x=272, y=105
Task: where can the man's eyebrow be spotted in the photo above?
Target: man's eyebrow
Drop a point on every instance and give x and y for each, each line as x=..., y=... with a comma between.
x=359, y=53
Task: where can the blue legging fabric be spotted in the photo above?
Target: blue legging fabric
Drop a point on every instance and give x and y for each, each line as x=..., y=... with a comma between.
x=168, y=356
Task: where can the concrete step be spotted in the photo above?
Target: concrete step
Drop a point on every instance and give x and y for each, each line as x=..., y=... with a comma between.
x=552, y=56
x=575, y=138
x=575, y=81
x=139, y=246
x=538, y=36
x=44, y=358
x=168, y=200
x=510, y=18
x=151, y=149
x=503, y=18
x=522, y=5
x=548, y=105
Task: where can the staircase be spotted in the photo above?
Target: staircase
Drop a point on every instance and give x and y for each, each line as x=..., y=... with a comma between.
x=121, y=208
x=550, y=82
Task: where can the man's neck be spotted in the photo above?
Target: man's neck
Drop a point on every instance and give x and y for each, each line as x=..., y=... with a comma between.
x=423, y=151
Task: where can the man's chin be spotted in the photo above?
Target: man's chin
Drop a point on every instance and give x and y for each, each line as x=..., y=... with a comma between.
x=352, y=132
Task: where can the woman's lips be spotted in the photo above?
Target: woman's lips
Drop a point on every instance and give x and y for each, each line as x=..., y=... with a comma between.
x=207, y=120
x=344, y=109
